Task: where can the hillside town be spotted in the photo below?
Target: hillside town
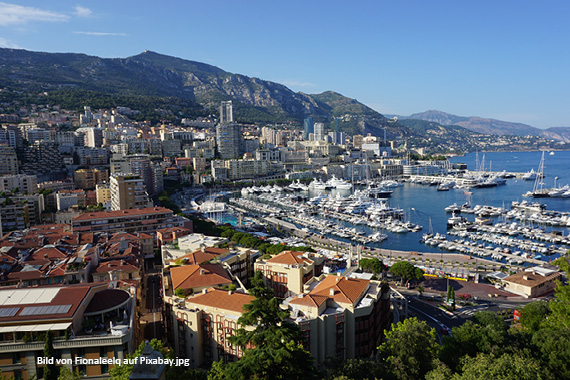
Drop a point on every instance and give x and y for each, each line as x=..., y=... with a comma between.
x=107, y=239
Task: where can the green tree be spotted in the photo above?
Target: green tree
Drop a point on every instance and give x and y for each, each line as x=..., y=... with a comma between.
x=356, y=369
x=486, y=333
x=50, y=370
x=504, y=367
x=560, y=309
x=534, y=314
x=66, y=374
x=277, y=352
x=410, y=349
x=373, y=265
x=406, y=272
x=553, y=348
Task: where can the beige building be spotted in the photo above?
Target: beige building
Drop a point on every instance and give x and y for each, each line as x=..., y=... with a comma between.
x=146, y=220
x=198, y=327
x=341, y=317
x=288, y=272
x=89, y=178
x=533, y=282
x=103, y=192
x=127, y=191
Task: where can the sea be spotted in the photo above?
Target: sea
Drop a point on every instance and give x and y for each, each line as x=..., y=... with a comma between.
x=423, y=204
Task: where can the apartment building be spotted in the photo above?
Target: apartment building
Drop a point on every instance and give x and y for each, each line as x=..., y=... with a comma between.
x=341, y=317
x=23, y=183
x=146, y=220
x=288, y=272
x=128, y=191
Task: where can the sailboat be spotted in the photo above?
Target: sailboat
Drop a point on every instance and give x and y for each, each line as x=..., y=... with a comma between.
x=538, y=191
x=429, y=234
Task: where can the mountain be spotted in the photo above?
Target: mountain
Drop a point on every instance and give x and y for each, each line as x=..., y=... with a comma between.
x=491, y=126
x=169, y=88
x=157, y=75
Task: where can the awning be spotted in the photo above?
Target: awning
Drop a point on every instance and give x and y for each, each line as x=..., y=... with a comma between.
x=41, y=327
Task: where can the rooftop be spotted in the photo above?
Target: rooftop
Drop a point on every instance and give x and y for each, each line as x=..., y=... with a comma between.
x=221, y=299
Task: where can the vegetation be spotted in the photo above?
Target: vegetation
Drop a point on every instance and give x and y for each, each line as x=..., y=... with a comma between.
x=372, y=265
x=406, y=271
x=271, y=342
x=50, y=370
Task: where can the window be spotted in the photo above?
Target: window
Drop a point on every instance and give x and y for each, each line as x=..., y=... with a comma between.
x=16, y=358
x=104, y=368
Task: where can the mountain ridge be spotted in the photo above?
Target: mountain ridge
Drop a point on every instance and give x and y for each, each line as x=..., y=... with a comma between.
x=489, y=125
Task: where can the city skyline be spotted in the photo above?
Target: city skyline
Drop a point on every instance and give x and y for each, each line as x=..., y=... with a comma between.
x=494, y=60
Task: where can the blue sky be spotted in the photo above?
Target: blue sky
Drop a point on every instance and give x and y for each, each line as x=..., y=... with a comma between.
x=507, y=60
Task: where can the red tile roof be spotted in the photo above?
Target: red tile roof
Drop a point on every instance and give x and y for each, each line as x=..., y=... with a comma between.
x=289, y=257
x=222, y=299
x=197, y=276
x=345, y=290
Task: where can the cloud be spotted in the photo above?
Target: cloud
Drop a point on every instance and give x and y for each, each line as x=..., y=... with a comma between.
x=102, y=34
x=82, y=11
x=4, y=43
x=13, y=14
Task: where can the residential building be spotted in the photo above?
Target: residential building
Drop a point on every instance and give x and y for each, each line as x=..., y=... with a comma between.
x=198, y=327
x=89, y=178
x=41, y=158
x=8, y=160
x=341, y=318
x=146, y=220
x=229, y=140
x=128, y=191
x=87, y=156
x=194, y=278
x=27, y=184
x=319, y=132
x=103, y=194
x=309, y=127
x=288, y=272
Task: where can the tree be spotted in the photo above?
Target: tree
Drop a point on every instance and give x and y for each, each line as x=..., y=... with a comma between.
x=66, y=374
x=553, y=347
x=50, y=370
x=356, y=369
x=271, y=342
x=560, y=309
x=410, y=349
x=504, y=367
x=374, y=265
x=421, y=290
x=406, y=272
x=486, y=333
x=534, y=314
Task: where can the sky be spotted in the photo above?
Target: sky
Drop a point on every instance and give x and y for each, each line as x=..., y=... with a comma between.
x=507, y=60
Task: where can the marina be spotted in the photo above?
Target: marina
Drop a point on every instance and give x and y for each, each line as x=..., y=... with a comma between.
x=492, y=223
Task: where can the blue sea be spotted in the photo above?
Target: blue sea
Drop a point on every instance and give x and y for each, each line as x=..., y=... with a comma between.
x=423, y=202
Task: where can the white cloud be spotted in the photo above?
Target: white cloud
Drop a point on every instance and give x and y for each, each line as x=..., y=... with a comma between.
x=8, y=44
x=102, y=34
x=13, y=14
x=82, y=11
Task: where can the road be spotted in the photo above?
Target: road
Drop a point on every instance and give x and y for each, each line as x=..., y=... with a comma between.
x=441, y=321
